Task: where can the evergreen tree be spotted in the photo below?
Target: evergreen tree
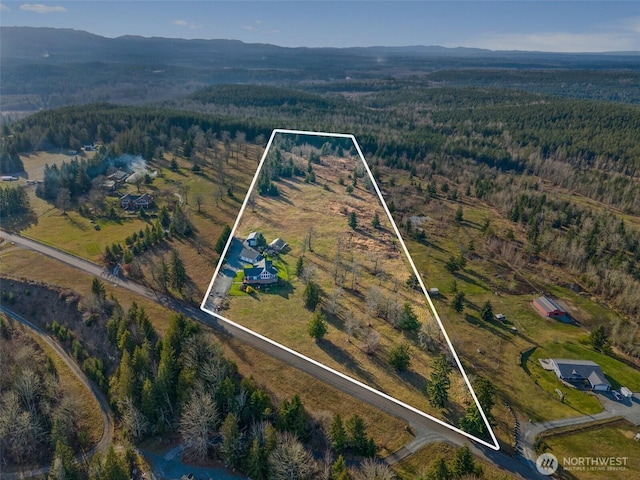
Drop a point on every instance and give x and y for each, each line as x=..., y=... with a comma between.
x=400, y=357
x=178, y=272
x=452, y=265
x=339, y=469
x=164, y=217
x=485, y=391
x=222, y=239
x=311, y=295
x=337, y=433
x=458, y=302
x=317, y=327
x=412, y=281
x=230, y=448
x=599, y=339
x=357, y=434
x=292, y=417
x=148, y=404
x=167, y=377
x=486, y=312
x=408, y=320
x=375, y=223
x=459, y=215
x=439, y=383
x=115, y=467
x=353, y=220
x=439, y=470
x=124, y=385
x=462, y=463
x=257, y=461
x=300, y=266
x=473, y=423
x=64, y=466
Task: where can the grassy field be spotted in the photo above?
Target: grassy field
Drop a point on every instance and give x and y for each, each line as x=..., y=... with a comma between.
x=613, y=440
x=323, y=208
x=208, y=210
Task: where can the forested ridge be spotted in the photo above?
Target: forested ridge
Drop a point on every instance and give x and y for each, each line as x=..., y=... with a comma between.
x=477, y=138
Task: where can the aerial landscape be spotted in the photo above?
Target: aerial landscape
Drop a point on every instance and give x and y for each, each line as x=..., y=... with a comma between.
x=197, y=282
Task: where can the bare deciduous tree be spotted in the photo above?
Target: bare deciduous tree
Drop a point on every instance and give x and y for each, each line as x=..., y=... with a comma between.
x=290, y=460
x=333, y=303
x=351, y=325
x=198, y=423
x=371, y=341
x=199, y=199
x=372, y=470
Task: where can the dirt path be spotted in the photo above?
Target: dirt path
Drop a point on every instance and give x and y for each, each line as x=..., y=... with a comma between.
x=107, y=418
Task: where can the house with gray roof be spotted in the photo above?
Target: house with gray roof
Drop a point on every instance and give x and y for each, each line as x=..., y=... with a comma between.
x=580, y=371
x=262, y=273
x=277, y=245
x=249, y=255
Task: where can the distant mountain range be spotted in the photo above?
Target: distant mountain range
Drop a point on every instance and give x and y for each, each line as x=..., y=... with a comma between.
x=48, y=67
x=55, y=46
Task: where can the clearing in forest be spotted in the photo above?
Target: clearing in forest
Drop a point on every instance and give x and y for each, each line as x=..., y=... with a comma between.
x=316, y=265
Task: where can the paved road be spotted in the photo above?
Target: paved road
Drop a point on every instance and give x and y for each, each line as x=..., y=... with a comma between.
x=107, y=418
x=627, y=408
x=226, y=275
x=425, y=429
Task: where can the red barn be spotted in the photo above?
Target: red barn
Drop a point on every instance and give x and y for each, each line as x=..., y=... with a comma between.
x=547, y=307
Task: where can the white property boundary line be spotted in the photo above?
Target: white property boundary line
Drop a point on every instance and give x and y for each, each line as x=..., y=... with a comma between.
x=495, y=446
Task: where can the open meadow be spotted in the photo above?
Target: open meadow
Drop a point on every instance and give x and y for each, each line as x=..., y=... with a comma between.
x=360, y=270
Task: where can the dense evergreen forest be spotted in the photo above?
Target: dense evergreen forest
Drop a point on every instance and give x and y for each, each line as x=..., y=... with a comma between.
x=486, y=141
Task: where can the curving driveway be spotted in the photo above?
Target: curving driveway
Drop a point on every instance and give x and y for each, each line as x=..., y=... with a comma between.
x=107, y=418
x=628, y=409
x=425, y=430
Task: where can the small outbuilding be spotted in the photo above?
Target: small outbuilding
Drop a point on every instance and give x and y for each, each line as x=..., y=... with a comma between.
x=547, y=307
x=434, y=292
x=278, y=245
x=252, y=239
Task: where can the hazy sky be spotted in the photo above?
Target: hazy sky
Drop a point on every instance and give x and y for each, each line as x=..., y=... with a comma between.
x=569, y=26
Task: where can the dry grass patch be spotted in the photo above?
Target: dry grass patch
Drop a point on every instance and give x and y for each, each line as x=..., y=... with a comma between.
x=366, y=262
x=612, y=440
x=320, y=400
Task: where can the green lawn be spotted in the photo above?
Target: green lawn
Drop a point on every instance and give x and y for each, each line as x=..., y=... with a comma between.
x=75, y=234
x=235, y=286
x=581, y=402
x=617, y=372
x=613, y=440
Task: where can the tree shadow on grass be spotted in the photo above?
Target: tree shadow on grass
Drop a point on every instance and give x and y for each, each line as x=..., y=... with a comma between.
x=290, y=183
x=75, y=223
x=472, y=281
x=16, y=223
x=344, y=358
x=283, y=289
x=487, y=326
